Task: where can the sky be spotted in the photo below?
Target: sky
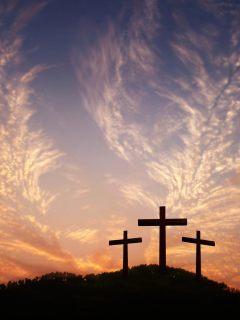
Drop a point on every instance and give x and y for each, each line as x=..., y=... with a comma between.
x=108, y=110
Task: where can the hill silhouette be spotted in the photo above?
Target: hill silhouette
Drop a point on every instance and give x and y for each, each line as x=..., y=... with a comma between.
x=147, y=291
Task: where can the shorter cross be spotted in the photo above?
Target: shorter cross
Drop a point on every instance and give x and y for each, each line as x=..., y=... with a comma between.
x=198, y=242
x=125, y=241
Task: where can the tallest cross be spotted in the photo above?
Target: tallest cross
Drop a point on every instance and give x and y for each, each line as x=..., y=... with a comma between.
x=162, y=223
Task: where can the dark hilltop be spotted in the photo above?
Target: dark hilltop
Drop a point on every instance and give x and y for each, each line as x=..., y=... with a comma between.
x=148, y=291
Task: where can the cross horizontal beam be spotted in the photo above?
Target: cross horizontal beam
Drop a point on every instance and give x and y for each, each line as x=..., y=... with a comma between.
x=122, y=241
x=176, y=222
x=115, y=242
x=148, y=222
x=206, y=242
x=166, y=222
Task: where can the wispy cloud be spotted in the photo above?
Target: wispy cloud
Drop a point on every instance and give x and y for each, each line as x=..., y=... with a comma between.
x=82, y=235
x=119, y=66
x=26, y=154
x=176, y=117
x=135, y=193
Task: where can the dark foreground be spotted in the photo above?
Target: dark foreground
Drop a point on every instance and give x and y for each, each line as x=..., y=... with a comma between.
x=147, y=292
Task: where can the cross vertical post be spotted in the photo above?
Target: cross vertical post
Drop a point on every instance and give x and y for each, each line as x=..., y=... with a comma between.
x=125, y=241
x=162, y=223
x=198, y=242
x=198, y=257
x=162, y=239
x=125, y=254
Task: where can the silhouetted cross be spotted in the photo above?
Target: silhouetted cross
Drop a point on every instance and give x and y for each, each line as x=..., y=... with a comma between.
x=162, y=223
x=198, y=242
x=125, y=241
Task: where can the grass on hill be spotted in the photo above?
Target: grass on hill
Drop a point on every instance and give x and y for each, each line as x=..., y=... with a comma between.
x=147, y=290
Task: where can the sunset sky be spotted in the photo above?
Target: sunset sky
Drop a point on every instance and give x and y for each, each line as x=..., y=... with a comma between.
x=108, y=110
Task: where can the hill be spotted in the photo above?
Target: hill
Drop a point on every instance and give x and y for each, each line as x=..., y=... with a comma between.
x=147, y=291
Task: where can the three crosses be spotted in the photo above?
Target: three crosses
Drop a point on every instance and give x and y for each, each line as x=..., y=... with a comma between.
x=162, y=223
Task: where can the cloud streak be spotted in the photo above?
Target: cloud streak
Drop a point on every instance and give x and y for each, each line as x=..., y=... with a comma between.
x=186, y=139
x=26, y=155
